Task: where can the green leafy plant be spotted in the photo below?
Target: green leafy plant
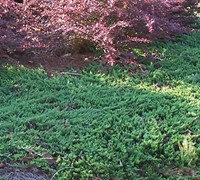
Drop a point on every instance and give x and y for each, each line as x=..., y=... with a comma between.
x=188, y=151
x=106, y=124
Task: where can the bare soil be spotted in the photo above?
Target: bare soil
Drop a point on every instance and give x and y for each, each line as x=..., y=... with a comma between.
x=50, y=63
x=10, y=173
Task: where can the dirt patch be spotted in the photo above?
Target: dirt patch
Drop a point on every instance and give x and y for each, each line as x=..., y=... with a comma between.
x=49, y=63
x=53, y=64
x=9, y=173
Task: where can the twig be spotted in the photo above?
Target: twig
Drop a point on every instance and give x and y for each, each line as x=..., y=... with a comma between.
x=60, y=171
x=71, y=73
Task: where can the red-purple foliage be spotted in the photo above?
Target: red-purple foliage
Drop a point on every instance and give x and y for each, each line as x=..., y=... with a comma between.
x=109, y=24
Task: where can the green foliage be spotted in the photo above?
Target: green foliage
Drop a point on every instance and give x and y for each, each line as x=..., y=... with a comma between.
x=107, y=125
x=188, y=151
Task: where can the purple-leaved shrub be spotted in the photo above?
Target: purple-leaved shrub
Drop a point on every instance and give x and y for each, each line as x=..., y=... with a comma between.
x=111, y=25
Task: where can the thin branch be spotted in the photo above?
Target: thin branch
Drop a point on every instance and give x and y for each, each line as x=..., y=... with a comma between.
x=60, y=171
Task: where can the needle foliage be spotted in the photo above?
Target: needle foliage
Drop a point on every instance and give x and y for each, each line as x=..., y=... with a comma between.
x=107, y=125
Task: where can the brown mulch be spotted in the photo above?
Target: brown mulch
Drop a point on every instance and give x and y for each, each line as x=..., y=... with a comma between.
x=51, y=64
x=11, y=173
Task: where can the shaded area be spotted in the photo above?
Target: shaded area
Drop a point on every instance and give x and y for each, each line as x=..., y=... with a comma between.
x=38, y=28
x=53, y=64
x=27, y=40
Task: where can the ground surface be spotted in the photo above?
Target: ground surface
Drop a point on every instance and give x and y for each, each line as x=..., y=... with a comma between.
x=51, y=63
x=8, y=173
